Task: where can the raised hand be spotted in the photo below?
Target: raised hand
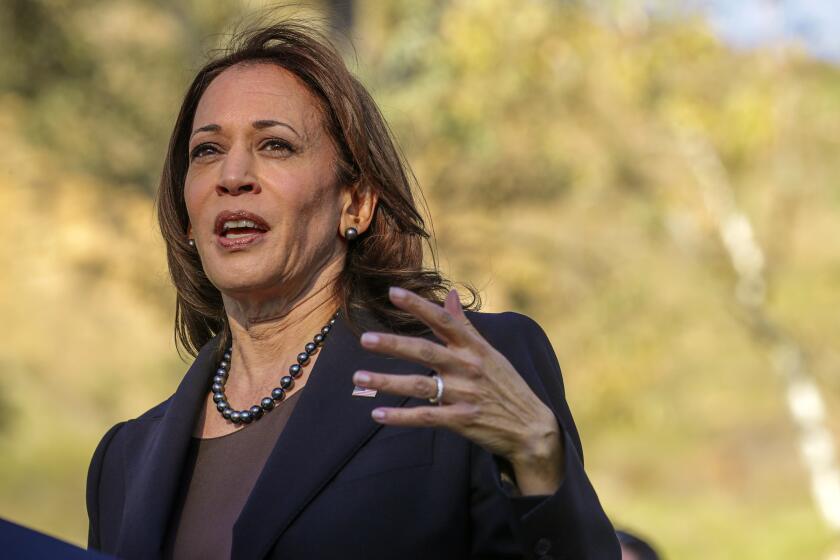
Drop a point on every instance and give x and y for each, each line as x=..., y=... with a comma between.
x=484, y=399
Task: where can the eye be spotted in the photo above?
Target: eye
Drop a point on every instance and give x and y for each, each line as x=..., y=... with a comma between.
x=279, y=146
x=203, y=150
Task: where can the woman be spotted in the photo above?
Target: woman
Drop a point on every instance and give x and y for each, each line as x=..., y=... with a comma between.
x=342, y=404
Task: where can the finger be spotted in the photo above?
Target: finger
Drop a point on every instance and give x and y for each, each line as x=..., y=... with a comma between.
x=440, y=320
x=457, y=417
x=411, y=348
x=419, y=386
x=452, y=304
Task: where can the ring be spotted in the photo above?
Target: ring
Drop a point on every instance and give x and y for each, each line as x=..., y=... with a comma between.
x=439, y=394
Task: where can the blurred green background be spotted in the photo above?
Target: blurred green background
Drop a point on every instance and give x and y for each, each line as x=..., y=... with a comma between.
x=580, y=160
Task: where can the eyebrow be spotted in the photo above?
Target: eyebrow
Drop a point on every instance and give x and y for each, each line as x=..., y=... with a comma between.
x=258, y=125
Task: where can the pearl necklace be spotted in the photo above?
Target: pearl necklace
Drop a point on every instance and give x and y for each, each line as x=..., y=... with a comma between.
x=277, y=394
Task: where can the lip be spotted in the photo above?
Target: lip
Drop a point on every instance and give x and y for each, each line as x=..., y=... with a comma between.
x=246, y=240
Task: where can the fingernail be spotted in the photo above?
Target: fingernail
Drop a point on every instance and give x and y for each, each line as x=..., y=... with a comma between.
x=370, y=338
x=378, y=414
x=361, y=377
x=397, y=293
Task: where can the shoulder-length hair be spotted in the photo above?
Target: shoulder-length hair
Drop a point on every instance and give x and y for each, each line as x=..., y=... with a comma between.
x=389, y=253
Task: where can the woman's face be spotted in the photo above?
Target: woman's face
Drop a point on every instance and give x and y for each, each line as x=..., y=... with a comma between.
x=265, y=210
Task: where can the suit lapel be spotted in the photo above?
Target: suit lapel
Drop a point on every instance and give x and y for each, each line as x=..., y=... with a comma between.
x=327, y=427
x=153, y=485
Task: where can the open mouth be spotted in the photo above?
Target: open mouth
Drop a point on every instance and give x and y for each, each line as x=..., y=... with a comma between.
x=236, y=229
x=239, y=227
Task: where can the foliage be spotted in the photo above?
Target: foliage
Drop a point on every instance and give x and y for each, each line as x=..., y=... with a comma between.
x=544, y=137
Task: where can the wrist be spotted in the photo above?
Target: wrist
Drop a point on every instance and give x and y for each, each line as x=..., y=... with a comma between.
x=538, y=463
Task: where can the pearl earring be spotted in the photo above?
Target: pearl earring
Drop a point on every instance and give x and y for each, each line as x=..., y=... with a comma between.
x=191, y=243
x=351, y=233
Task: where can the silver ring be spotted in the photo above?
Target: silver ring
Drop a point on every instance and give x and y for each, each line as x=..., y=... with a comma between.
x=439, y=395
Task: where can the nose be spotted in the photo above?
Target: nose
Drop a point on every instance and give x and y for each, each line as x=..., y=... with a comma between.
x=236, y=175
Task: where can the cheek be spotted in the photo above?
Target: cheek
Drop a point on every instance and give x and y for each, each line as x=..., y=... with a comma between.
x=194, y=197
x=318, y=201
x=313, y=218
x=191, y=203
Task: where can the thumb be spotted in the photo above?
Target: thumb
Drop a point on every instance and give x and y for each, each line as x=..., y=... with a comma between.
x=453, y=304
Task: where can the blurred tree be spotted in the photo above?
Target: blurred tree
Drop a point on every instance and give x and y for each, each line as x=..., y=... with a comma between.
x=543, y=136
x=100, y=79
x=341, y=15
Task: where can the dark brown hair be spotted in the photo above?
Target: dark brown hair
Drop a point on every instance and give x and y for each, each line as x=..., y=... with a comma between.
x=389, y=253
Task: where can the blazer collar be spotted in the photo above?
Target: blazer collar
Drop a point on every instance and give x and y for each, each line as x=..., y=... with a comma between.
x=152, y=484
x=297, y=469
x=328, y=426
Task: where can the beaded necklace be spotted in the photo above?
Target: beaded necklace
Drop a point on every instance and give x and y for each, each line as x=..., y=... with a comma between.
x=267, y=404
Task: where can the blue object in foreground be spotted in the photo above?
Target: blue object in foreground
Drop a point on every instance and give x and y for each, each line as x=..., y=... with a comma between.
x=20, y=543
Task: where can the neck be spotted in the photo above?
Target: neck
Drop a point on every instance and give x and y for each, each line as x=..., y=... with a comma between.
x=270, y=331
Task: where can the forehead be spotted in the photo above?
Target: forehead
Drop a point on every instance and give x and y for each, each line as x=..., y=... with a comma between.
x=257, y=91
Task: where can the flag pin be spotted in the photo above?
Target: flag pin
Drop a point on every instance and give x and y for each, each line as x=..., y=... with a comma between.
x=363, y=392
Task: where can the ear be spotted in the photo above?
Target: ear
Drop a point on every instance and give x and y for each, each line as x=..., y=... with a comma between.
x=359, y=203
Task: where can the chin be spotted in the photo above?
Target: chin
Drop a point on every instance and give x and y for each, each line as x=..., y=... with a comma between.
x=241, y=279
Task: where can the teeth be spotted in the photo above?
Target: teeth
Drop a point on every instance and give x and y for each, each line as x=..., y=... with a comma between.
x=233, y=224
x=237, y=235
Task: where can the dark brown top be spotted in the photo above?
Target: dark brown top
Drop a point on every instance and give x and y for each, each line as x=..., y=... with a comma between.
x=218, y=477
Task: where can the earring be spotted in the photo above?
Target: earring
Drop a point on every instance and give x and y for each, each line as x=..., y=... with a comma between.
x=351, y=233
x=191, y=243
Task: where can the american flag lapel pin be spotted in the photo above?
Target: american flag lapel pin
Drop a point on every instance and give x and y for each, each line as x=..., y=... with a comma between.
x=363, y=392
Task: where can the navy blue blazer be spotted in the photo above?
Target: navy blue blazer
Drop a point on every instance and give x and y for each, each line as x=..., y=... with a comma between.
x=339, y=485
